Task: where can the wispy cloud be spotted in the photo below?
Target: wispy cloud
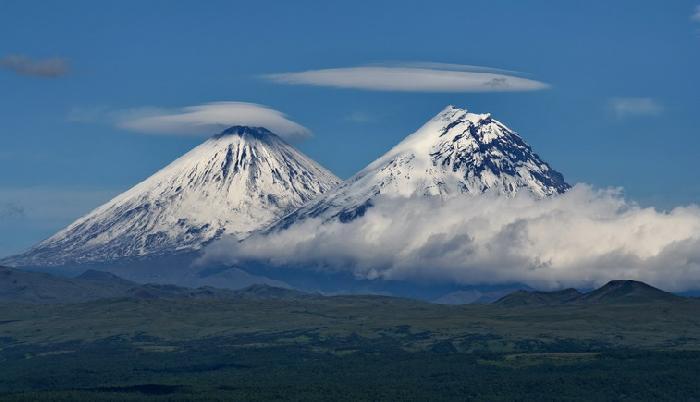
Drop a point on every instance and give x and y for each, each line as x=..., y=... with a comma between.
x=202, y=120
x=10, y=210
x=47, y=68
x=51, y=203
x=631, y=107
x=30, y=214
x=696, y=14
x=359, y=117
x=413, y=77
x=582, y=238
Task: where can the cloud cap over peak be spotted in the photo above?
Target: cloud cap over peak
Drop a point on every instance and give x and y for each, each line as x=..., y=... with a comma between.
x=413, y=77
x=210, y=118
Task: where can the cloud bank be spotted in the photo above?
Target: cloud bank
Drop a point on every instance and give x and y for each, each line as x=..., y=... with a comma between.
x=413, y=77
x=23, y=65
x=632, y=107
x=209, y=118
x=582, y=238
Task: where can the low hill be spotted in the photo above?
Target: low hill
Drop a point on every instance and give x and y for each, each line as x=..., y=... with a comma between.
x=627, y=291
x=613, y=292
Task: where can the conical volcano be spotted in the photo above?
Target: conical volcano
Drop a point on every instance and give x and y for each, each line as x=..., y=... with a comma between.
x=234, y=183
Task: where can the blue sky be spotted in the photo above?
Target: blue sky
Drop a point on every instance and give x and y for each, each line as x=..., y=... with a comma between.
x=621, y=107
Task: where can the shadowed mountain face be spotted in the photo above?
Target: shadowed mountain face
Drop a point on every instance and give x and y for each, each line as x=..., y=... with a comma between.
x=614, y=292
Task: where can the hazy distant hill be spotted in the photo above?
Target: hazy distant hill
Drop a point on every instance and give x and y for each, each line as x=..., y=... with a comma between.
x=525, y=298
x=35, y=287
x=18, y=286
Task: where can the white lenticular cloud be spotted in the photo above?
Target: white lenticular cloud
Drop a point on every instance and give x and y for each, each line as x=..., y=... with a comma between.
x=582, y=238
x=413, y=77
x=210, y=118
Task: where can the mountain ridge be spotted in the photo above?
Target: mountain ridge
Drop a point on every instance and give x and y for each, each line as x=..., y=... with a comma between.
x=21, y=286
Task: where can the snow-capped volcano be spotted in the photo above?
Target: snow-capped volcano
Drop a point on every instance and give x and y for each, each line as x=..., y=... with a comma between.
x=236, y=182
x=456, y=152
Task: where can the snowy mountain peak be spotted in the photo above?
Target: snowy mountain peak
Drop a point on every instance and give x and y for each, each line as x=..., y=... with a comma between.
x=453, y=113
x=454, y=153
x=450, y=119
x=236, y=182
